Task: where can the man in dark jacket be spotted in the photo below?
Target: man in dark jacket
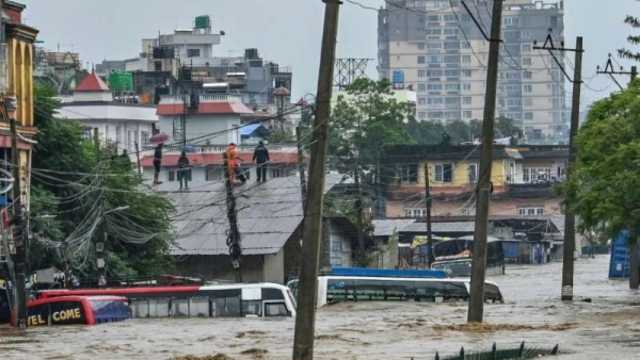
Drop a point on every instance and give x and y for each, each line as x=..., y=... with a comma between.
x=183, y=170
x=261, y=157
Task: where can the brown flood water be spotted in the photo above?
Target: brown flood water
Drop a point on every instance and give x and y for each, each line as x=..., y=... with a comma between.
x=608, y=327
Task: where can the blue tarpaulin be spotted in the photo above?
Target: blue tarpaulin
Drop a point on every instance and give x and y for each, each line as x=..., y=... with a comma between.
x=619, y=262
x=249, y=129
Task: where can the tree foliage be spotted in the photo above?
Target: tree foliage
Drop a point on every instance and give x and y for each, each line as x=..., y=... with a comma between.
x=634, y=40
x=80, y=191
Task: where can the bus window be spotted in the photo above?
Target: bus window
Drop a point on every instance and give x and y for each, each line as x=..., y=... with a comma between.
x=252, y=307
x=272, y=294
x=199, y=306
x=67, y=312
x=140, y=308
x=226, y=306
x=159, y=307
x=38, y=315
x=180, y=307
x=275, y=308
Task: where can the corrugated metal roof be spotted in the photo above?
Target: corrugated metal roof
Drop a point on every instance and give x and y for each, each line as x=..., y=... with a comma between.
x=268, y=214
x=441, y=227
x=386, y=227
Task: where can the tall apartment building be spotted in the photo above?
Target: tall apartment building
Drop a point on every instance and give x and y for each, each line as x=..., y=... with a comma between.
x=434, y=47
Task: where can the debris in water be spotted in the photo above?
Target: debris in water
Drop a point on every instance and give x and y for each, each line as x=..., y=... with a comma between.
x=250, y=332
x=485, y=327
x=218, y=356
x=257, y=353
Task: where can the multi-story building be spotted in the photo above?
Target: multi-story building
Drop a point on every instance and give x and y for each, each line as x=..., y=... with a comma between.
x=522, y=180
x=190, y=55
x=60, y=69
x=434, y=47
x=16, y=87
x=125, y=126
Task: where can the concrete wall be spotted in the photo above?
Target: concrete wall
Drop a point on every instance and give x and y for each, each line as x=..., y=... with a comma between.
x=219, y=267
x=199, y=125
x=124, y=134
x=274, y=268
x=340, y=246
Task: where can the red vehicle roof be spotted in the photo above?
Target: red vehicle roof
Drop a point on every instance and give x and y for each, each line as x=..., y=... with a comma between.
x=128, y=291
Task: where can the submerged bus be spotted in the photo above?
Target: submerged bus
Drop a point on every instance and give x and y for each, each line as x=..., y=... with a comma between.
x=76, y=310
x=333, y=289
x=233, y=300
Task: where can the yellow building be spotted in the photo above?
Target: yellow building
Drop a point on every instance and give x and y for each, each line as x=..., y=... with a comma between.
x=17, y=51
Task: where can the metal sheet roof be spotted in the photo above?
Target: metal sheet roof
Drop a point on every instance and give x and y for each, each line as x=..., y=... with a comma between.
x=441, y=227
x=268, y=214
x=386, y=227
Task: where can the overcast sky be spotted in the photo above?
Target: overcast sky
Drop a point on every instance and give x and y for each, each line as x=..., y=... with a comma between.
x=285, y=31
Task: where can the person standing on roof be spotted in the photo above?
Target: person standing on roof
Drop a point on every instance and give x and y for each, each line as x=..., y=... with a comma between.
x=183, y=170
x=233, y=164
x=261, y=157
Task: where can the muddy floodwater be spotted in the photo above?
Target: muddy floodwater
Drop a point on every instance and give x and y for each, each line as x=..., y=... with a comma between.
x=608, y=327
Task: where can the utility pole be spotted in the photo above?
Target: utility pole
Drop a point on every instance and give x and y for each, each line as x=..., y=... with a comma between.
x=233, y=238
x=312, y=225
x=569, y=216
x=478, y=267
x=138, y=159
x=428, y=203
x=100, y=261
x=19, y=235
x=609, y=70
x=301, y=167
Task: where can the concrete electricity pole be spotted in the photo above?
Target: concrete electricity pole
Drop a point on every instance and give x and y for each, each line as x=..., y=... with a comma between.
x=233, y=239
x=609, y=70
x=569, y=218
x=312, y=225
x=483, y=191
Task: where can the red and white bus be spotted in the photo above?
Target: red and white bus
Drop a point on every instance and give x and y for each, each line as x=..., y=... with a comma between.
x=76, y=310
x=232, y=300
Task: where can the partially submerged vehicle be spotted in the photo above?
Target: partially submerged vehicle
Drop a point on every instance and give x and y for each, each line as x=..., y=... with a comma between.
x=76, y=310
x=454, y=257
x=230, y=300
x=333, y=289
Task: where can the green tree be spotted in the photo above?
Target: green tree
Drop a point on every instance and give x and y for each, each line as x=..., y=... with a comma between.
x=605, y=188
x=364, y=119
x=505, y=127
x=634, y=40
x=426, y=132
x=81, y=191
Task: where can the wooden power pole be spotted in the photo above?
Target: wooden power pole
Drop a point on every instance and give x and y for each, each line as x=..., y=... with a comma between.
x=483, y=191
x=570, y=217
x=312, y=224
x=428, y=203
x=19, y=235
x=569, y=245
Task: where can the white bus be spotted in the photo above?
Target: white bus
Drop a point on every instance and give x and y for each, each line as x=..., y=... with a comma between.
x=333, y=289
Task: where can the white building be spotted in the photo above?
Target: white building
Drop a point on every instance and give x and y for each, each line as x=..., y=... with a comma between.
x=121, y=124
x=208, y=119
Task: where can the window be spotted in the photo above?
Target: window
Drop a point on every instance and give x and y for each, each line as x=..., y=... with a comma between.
x=531, y=211
x=193, y=53
x=408, y=174
x=526, y=61
x=466, y=59
x=420, y=59
x=415, y=213
x=466, y=87
x=467, y=114
x=214, y=173
x=421, y=100
x=421, y=46
x=336, y=245
x=528, y=116
x=466, y=73
x=421, y=87
x=466, y=100
x=528, y=102
x=275, y=309
x=180, y=307
x=199, y=306
x=444, y=173
x=473, y=173
x=528, y=88
x=421, y=74
x=157, y=65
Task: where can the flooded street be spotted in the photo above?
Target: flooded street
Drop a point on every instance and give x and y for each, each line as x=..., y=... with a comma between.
x=606, y=327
